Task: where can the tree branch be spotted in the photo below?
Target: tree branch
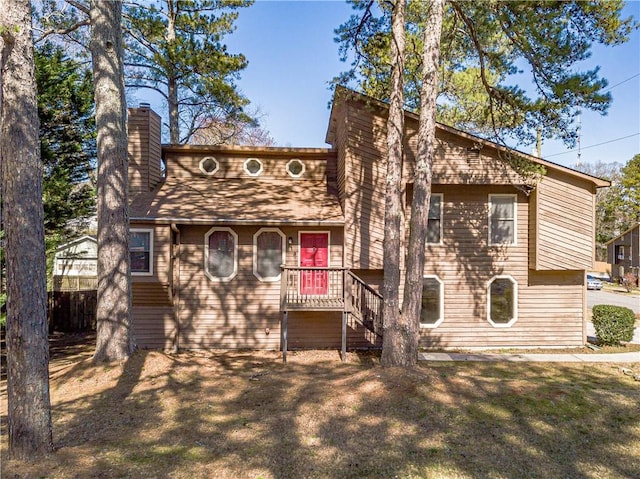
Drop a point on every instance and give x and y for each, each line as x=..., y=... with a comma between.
x=63, y=31
x=79, y=5
x=129, y=85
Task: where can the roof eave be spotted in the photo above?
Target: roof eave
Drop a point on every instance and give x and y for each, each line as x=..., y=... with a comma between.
x=622, y=234
x=234, y=221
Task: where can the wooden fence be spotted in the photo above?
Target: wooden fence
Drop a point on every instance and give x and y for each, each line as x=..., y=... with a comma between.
x=71, y=311
x=74, y=283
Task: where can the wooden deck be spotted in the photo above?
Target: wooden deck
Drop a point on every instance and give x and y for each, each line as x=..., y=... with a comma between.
x=329, y=289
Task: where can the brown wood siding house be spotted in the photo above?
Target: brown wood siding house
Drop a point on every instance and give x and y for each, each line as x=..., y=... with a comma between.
x=211, y=229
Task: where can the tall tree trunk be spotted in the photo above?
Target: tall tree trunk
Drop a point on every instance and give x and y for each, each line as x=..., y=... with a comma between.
x=412, y=301
x=172, y=81
x=114, y=336
x=174, y=123
x=394, y=334
x=29, y=408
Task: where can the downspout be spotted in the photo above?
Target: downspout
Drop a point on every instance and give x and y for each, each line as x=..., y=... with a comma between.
x=175, y=283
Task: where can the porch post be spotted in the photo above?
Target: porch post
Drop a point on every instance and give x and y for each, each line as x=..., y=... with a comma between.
x=283, y=329
x=344, y=336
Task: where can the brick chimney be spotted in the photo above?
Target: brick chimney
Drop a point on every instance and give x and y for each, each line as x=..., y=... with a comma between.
x=144, y=149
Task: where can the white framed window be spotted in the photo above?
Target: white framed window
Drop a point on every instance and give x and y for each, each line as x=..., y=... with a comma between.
x=268, y=254
x=503, y=219
x=209, y=165
x=432, y=311
x=295, y=168
x=253, y=167
x=141, y=251
x=221, y=254
x=434, y=223
x=502, y=301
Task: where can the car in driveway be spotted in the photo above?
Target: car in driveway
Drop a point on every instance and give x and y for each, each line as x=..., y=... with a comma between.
x=593, y=283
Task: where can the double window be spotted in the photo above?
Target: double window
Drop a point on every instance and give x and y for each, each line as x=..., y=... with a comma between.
x=141, y=251
x=221, y=254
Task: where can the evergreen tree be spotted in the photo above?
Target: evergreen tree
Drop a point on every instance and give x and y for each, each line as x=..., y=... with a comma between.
x=486, y=48
x=630, y=183
x=67, y=144
x=175, y=48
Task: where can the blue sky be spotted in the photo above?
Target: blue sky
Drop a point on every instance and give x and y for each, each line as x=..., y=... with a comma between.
x=292, y=58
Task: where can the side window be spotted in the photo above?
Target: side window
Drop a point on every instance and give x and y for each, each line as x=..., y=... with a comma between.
x=434, y=225
x=141, y=251
x=502, y=301
x=268, y=254
x=432, y=312
x=221, y=254
x=502, y=219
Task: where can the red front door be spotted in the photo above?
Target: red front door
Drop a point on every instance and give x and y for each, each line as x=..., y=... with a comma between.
x=314, y=253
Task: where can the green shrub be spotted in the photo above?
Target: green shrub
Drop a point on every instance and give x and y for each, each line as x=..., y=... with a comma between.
x=613, y=324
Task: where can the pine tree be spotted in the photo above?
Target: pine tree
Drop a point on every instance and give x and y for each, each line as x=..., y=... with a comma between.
x=67, y=144
x=412, y=300
x=114, y=339
x=29, y=410
x=395, y=330
x=630, y=183
x=486, y=47
x=176, y=49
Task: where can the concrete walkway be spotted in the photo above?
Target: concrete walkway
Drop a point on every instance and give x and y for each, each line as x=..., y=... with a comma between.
x=543, y=358
x=533, y=357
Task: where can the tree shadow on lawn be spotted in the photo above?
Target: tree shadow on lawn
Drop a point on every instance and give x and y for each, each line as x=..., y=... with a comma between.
x=247, y=415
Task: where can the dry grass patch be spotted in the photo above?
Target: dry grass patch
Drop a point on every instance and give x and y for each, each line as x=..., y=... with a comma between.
x=246, y=415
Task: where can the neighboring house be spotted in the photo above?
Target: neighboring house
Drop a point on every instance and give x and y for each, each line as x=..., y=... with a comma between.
x=250, y=247
x=76, y=265
x=623, y=253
